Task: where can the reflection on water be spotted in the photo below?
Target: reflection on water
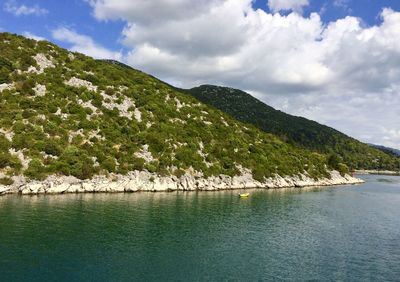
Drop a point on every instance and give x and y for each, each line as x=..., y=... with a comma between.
x=349, y=233
x=388, y=180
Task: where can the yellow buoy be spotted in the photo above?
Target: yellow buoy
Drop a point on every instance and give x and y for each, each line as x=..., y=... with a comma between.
x=244, y=195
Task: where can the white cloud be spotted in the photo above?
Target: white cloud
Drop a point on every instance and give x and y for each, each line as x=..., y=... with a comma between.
x=287, y=5
x=22, y=10
x=84, y=44
x=342, y=73
x=33, y=36
x=343, y=4
x=161, y=10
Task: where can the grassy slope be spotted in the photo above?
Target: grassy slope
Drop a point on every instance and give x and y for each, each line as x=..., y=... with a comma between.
x=77, y=131
x=296, y=130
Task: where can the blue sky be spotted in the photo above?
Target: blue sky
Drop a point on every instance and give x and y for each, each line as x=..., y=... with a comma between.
x=78, y=15
x=336, y=62
x=75, y=14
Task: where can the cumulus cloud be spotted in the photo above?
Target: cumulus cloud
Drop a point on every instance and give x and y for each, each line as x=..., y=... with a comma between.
x=84, y=44
x=341, y=73
x=160, y=10
x=287, y=5
x=22, y=10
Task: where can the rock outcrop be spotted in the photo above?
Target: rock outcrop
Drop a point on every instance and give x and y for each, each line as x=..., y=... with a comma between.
x=145, y=181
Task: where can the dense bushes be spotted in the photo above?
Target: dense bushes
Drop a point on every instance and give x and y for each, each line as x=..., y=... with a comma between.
x=76, y=162
x=8, y=160
x=6, y=181
x=35, y=170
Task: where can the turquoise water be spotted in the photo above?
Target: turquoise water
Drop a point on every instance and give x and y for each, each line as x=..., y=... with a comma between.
x=331, y=234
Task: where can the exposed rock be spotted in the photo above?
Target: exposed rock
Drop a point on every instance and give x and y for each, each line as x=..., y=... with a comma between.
x=73, y=134
x=179, y=105
x=110, y=103
x=224, y=121
x=40, y=90
x=6, y=86
x=146, y=181
x=7, y=133
x=177, y=120
x=138, y=115
x=20, y=155
x=145, y=154
x=61, y=114
x=77, y=82
x=42, y=62
x=87, y=104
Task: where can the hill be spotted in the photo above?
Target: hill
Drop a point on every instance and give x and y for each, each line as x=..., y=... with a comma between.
x=298, y=131
x=387, y=150
x=64, y=113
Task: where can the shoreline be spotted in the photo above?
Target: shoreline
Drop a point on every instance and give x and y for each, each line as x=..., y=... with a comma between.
x=377, y=172
x=143, y=181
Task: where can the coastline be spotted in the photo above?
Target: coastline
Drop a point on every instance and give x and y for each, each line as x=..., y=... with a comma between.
x=138, y=181
x=378, y=172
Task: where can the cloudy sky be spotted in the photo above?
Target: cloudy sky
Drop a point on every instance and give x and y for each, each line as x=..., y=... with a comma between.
x=333, y=61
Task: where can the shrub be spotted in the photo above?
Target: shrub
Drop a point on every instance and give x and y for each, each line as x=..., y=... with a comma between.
x=137, y=163
x=343, y=169
x=108, y=164
x=333, y=161
x=35, y=170
x=6, y=181
x=52, y=148
x=179, y=172
x=18, y=127
x=7, y=160
x=258, y=174
x=4, y=143
x=151, y=167
x=76, y=162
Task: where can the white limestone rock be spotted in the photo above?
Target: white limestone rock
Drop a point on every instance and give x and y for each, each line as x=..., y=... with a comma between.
x=40, y=90
x=6, y=86
x=145, y=154
x=77, y=82
x=42, y=62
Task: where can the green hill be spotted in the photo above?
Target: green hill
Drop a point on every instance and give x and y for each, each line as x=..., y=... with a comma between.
x=295, y=130
x=68, y=114
x=387, y=150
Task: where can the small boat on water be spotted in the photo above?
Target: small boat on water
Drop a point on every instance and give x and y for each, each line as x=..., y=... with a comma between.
x=244, y=195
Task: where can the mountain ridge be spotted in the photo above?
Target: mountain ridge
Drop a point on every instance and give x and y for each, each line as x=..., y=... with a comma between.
x=388, y=150
x=296, y=130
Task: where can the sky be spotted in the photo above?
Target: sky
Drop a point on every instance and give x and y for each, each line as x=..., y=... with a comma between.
x=336, y=62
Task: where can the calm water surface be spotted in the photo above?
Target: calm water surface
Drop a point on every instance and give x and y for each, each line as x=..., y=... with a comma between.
x=331, y=234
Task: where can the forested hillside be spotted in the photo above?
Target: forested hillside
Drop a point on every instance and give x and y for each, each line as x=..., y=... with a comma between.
x=295, y=130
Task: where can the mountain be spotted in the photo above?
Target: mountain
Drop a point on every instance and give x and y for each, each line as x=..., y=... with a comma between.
x=387, y=150
x=63, y=113
x=298, y=131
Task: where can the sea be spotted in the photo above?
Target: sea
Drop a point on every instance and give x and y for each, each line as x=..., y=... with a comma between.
x=342, y=233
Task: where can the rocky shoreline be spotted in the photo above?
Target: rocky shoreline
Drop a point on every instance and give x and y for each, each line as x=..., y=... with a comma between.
x=378, y=172
x=144, y=181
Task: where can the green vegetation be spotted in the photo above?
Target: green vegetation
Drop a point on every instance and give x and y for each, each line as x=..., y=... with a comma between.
x=295, y=130
x=115, y=119
x=6, y=181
